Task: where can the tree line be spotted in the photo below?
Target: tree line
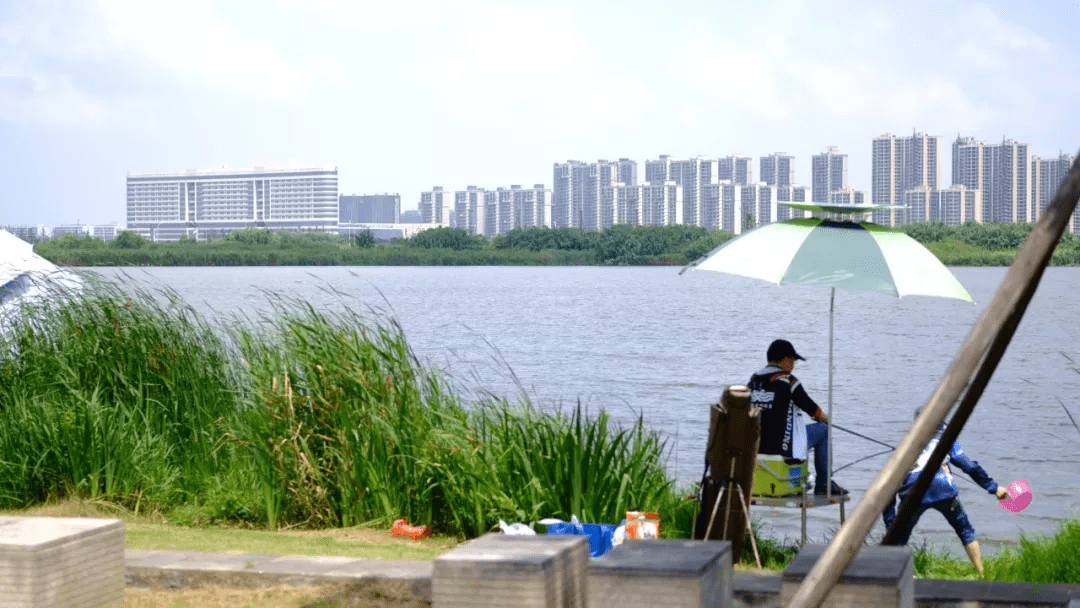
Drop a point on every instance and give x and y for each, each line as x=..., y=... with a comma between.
x=969, y=244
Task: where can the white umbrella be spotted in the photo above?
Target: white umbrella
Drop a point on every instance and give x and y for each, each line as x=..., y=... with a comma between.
x=847, y=254
x=27, y=278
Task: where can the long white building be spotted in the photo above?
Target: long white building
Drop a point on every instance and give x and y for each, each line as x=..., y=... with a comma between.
x=200, y=204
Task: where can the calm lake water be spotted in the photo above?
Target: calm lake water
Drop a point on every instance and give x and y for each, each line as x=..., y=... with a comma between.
x=649, y=342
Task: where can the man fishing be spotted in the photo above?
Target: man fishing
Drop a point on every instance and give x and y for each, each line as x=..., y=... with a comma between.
x=779, y=394
x=943, y=497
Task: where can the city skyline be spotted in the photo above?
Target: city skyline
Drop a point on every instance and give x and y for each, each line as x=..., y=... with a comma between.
x=418, y=93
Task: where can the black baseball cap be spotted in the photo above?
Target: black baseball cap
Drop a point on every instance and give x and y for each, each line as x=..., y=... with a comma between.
x=782, y=349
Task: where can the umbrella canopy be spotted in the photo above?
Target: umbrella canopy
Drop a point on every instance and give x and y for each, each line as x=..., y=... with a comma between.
x=849, y=255
x=17, y=258
x=27, y=278
x=854, y=255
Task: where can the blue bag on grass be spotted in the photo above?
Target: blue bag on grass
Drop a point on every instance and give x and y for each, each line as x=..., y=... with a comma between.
x=600, y=535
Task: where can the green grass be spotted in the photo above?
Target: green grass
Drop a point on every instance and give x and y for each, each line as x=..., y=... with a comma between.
x=277, y=543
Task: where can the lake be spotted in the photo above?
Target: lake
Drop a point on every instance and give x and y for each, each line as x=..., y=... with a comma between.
x=647, y=341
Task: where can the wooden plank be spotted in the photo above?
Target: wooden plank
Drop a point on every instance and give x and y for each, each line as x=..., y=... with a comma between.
x=991, y=333
x=731, y=455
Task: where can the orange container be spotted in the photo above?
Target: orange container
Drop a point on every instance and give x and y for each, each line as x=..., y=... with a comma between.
x=402, y=529
x=642, y=525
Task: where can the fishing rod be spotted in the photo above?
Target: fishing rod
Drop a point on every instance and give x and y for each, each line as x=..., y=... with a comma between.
x=862, y=459
x=885, y=452
x=891, y=447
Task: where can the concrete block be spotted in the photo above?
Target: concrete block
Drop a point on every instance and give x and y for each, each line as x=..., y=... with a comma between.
x=670, y=573
x=509, y=571
x=878, y=577
x=61, y=562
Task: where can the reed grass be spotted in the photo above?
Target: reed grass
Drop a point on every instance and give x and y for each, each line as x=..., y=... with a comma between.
x=1040, y=559
x=110, y=393
x=565, y=464
x=303, y=418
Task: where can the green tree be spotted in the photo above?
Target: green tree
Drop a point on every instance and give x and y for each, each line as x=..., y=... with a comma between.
x=129, y=239
x=930, y=232
x=251, y=236
x=364, y=240
x=442, y=237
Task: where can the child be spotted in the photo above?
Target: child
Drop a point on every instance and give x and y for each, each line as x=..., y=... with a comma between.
x=942, y=495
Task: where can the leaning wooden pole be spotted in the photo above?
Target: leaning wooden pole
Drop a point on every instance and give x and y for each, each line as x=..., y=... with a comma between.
x=1011, y=298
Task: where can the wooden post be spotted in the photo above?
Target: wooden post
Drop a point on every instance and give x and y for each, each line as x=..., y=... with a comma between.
x=731, y=455
x=987, y=339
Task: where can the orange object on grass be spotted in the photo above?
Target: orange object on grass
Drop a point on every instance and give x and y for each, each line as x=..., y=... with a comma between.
x=642, y=525
x=403, y=529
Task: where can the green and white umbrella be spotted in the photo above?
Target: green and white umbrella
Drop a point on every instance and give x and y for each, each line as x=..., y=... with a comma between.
x=837, y=254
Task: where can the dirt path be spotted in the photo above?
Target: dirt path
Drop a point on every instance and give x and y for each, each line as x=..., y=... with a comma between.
x=350, y=595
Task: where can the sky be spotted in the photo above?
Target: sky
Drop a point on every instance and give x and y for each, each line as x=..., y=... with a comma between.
x=402, y=96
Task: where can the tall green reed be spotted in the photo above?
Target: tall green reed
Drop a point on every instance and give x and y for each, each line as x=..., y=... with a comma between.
x=556, y=464
x=112, y=391
x=344, y=424
x=304, y=418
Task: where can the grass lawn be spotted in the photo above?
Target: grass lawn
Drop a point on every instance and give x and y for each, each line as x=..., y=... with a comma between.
x=152, y=531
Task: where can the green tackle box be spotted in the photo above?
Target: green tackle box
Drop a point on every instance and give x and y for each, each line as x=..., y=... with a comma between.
x=774, y=477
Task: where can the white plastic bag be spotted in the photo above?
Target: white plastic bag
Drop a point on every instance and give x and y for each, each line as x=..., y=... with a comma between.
x=518, y=529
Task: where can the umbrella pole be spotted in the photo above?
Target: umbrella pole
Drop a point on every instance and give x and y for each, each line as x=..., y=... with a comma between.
x=828, y=474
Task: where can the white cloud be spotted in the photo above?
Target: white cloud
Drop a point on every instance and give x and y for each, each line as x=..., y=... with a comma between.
x=65, y=63
x=190, y=38
x=531, y=68
x=846, y=76
x=992, y=43
x=32, y=97
x=372, y=15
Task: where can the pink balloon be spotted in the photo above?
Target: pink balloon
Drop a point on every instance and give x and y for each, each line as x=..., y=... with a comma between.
x=1019, y=496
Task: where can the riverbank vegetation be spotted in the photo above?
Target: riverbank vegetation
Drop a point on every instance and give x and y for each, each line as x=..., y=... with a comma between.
x=303, y=420
x=309, y=420
x=966, y=245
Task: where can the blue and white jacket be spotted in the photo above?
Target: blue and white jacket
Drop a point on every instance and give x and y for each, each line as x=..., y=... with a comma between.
x=943, y=486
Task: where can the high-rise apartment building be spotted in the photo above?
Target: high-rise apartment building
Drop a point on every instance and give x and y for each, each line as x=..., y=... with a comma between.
x=533, y=206
x=470, y=211
x=1011, y=186
x=1003, y=174
x=369, y=208
x=759, y=205
x=737, y=169
x=660, y=170
x=778, y=169
x=627, y=173
x=847, y=196
x=436, y=207
x=693, y=175
x=829, y=173
x=567, y=193
x=595, y=178
x=917, y=203
x=515, y=207
x=791, y=194
x=899, y=164
x=956, y=205
x=661, y=204
x=1047, y=175
x=203, y=203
